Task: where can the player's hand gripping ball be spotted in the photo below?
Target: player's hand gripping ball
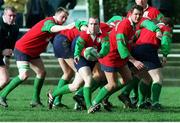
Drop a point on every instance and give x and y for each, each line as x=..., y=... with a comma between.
x=91, y=54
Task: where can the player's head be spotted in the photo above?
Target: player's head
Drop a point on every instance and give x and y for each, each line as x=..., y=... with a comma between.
x=136, y=13
x=9, y=15
x=167, y=21
x=142, y=3
x=93, y=25
x=61, y=15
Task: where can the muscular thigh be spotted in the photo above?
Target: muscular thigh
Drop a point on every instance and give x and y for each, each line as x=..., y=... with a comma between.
x=156, y=75
x=70, y=62
x=98, y=75
x=125, y=73
x=37, y=65
x=64, y=66
x=3, y=73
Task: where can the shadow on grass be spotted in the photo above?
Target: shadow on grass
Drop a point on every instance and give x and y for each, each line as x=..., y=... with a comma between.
x=173, y=109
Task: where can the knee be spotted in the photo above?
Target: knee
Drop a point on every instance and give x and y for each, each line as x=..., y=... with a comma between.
x=158, y=82
x=68, y=75
x=4, y=82
x=74, y=87
x=111, y=86
x=41, y=73
x=23, y=76
x=114, y=86
x=88, y=82
x=157, y=79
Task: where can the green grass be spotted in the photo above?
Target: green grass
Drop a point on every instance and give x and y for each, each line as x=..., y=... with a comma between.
x=19, y=109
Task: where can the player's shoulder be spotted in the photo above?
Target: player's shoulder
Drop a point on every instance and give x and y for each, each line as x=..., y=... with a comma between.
x=125, y=23
x=153, y=9
x=165, y=28
x=84, y=35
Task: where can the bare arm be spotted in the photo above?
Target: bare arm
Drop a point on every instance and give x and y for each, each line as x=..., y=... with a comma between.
x=57, y=28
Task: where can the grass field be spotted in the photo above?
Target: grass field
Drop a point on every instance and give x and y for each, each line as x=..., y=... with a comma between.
x=19, y=109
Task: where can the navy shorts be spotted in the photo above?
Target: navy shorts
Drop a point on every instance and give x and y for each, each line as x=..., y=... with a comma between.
x=109, y=69
x=62, y=47
x=147, y=54
x=83, y=62
x=1, y=60
x=74, y=44
x=19, y=56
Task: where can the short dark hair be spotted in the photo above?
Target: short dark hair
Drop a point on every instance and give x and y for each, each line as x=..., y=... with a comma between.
x=167, y=21
x=138, y=7
x=61, y=9
x=8, y=7
x=95, y=17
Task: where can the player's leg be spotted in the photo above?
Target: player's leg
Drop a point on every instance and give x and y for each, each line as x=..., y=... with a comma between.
x=111, y=77
x=68, y=88
x=84, y=68
x=97, y=81
x=79, y=98
x=144, y=90
x=62, y=51
x=86, y=74
x=100, y=78
x=156, y=86
x=112, y=85
x=134, y=91
x=4, y=78
x=23, y=67
x=38, y=67
x=65, y=78
x=129, y=81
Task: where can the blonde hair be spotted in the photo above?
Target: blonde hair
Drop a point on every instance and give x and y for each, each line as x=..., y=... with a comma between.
x=61, y=9
x=10, y=8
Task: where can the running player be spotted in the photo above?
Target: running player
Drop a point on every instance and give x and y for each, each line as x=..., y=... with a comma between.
x=116, y=60
x=27, y=53
x=63, y=51
x=146, y=50
x=150, y=13
x=93, y=38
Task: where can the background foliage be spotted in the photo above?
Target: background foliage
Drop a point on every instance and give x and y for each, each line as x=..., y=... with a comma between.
x=114, y=7
x=119, y=7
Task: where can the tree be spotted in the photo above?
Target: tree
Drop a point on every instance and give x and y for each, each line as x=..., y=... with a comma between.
x=93, y=8
x=114, y=7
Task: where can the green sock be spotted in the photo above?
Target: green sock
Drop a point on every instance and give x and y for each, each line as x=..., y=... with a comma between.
x=148, y=94
x=79, y=91
x=60, y=91
x=135, y=88
x=102, y=84
x=38, y=83
x=61, y=83
x=156, y=90
x=94, y=86
x=101, y=95
x=87, y=96
x=142, y=91
x=119, y=86
x=12, y=84
x=129, y=86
